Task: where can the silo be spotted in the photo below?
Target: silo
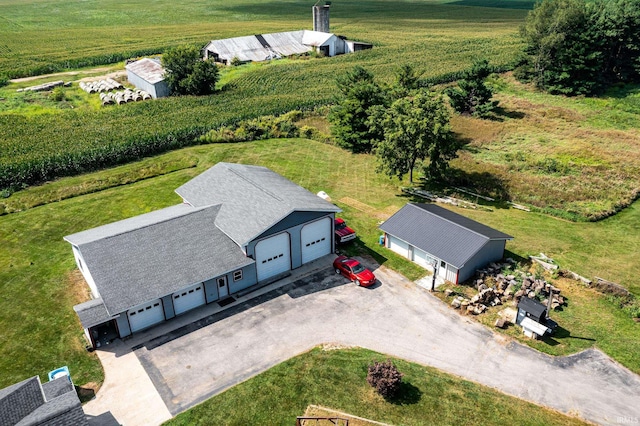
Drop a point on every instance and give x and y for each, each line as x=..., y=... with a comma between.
x=321, y=17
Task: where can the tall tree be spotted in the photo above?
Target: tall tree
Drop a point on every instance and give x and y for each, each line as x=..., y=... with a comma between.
x=187, y=73
x=414, y=128
x=407, y=79
x=576, y=47
x=349, y=117
x=616, y=24
x=472, y=95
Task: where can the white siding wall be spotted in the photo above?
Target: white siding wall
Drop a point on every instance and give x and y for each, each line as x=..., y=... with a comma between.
x=85, y=272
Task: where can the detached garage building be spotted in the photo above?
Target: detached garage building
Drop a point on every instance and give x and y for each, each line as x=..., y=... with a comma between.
x=148, y=75
x=239, y=226
x=431, y=235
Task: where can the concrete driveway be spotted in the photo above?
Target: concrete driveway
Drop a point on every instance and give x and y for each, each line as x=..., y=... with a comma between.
x=396, y=317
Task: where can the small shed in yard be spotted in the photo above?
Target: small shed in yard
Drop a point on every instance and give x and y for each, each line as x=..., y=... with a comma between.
x=148, y=75
x=33, y=403
x=532, y=317
x=430, y=235
x=239, y=227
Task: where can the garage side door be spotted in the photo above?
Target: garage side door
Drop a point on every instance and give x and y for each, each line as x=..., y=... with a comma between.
x=146, y=315
x=398, y=246
x=188, y=298
x=316, y=239
x=273, y=256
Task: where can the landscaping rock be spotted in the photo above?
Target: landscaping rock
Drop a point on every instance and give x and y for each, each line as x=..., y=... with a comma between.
x=455, y=303
x=448, y=292
x=501, y=323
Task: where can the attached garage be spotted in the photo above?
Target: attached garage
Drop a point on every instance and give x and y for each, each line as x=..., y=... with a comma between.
x=273, y=256
x=146, y=315
x=188, y=299
x=399, y=246
x=316, y=239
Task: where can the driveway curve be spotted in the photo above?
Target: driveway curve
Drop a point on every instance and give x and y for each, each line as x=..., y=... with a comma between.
x=395, y=317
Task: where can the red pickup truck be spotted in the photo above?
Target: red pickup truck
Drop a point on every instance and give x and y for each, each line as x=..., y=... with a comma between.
x=343, y=232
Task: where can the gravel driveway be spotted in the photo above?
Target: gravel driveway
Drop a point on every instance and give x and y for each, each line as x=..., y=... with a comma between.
x=396, y=317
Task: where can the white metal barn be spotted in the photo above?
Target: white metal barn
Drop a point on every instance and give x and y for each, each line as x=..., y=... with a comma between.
x=239, y=227
x=148, y=75
x=432, y=235
x=262, y=47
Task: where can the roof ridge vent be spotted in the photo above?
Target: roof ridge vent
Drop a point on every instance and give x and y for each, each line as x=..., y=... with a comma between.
x=254, y=183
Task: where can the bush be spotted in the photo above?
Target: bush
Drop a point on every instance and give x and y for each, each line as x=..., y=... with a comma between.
x=4, y=80
x=385, y=378
x=57, y=95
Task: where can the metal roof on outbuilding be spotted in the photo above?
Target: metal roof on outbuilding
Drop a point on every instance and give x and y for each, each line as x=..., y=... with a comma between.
x=261, y=47
x=441, y=232
x=148, y=69
x=253, y=198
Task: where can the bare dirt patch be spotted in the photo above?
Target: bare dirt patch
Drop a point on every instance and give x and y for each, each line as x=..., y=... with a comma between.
x=318, y=411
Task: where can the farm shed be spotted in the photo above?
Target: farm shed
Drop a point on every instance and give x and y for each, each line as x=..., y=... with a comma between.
x=263, y=47
x=33, y=403
x=532, y=317
x=432, y=235
x=238, y=227
x=148, y=75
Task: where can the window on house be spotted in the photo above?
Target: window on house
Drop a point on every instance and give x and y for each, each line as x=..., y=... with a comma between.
x=237, y=275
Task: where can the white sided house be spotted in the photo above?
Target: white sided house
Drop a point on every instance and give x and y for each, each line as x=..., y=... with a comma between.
x=240, y=227
x=148, y=75
x=432, y=235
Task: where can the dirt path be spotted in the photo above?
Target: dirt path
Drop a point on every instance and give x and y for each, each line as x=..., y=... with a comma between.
x=71, y=73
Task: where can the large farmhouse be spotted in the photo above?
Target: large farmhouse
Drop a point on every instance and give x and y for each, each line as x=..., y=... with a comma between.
x=262, y=47
x=239, y=226
x=432, y=236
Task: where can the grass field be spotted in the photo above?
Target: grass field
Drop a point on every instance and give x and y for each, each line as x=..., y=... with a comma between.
x=41, y=332
x=36, y=147
x=337, y=379
x=51, y=35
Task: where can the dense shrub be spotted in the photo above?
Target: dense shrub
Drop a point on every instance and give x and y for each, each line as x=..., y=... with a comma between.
x=385, y=378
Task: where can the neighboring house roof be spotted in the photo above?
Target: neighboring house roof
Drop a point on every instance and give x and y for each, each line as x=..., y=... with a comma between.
x=32, y=403
x=136, y=260
x=263, y=46
x=253, y=198
x=441, y=232
x=148, y=69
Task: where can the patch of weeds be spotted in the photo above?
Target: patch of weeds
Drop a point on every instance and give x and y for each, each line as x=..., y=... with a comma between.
x=628, y=304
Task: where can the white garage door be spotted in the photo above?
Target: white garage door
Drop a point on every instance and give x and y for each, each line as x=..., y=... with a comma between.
x=189, y=298
x=146, y=315
x=398, y=246
x=316, y=239
x=273, y=256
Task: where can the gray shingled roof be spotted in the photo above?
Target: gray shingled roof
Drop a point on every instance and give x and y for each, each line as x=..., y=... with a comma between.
x=253, y=198
x=92, y=313
x=146, y=257
x=441, y=232
x=31, y=403
x=17, y=401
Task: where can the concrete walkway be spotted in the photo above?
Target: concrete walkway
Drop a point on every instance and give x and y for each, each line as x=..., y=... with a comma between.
x=395, y=317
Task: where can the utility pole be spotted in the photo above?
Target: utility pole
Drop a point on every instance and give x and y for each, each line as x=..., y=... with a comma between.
x=435, y=272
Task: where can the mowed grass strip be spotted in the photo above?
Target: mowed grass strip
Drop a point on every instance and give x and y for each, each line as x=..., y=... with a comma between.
x=40, y=330
x=337, y=379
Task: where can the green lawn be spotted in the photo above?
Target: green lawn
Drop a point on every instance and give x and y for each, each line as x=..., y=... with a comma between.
x=337, y=379
x=41, y=331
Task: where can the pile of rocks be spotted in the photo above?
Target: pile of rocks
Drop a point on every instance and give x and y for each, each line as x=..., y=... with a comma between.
x=495, y=288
